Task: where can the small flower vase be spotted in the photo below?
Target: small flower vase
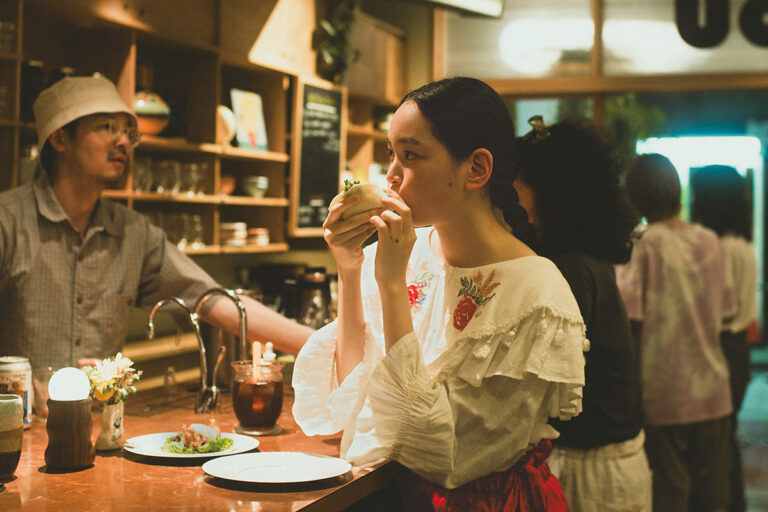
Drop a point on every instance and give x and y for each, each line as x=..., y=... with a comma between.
x=111, y=435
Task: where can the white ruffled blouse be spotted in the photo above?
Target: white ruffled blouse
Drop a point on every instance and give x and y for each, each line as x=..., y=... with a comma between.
x=495, y=351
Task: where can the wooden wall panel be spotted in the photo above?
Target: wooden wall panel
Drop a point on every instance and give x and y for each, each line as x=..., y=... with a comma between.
x=193, y=21
x=380, y=71
x=272, y=33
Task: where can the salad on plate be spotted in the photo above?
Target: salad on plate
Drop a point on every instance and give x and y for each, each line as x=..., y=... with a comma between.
x=197, y=438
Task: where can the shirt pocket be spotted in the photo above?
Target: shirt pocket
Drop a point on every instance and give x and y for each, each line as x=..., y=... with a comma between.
x=114, y=315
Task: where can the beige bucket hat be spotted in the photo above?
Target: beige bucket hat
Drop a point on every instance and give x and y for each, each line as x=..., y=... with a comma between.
x=73, y=97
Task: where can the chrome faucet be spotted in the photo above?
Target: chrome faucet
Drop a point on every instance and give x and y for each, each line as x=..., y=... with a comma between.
x=243, y=350
x=207, y=397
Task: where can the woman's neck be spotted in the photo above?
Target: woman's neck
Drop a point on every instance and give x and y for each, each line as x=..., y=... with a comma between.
x=673, y=222
x=475, y=240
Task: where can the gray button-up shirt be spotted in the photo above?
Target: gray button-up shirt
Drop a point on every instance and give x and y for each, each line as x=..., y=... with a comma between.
x=65, y=297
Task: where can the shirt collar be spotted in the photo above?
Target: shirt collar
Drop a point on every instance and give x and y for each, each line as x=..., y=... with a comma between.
x=104, y=214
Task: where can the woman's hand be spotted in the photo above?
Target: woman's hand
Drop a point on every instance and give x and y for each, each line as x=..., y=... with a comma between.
x=396, y=239
x=345, y=237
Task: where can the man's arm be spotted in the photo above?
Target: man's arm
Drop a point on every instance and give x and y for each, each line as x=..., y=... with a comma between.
x=263, y=324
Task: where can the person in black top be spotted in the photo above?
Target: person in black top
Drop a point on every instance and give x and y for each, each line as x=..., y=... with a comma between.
x=569, y=183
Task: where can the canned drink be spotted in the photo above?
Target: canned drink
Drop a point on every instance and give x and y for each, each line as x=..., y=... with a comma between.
x=16, y=378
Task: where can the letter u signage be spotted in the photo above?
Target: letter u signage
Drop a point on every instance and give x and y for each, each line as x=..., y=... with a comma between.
x=752, y=20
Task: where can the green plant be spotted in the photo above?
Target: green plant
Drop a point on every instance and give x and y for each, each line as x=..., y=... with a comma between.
x=627, y=120
x=331, y=39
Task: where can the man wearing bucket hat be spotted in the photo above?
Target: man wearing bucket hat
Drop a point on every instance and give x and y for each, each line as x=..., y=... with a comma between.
x=73, y=264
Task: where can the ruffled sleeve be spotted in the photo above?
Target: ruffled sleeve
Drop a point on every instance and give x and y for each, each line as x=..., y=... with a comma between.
x=545, y=342
x=321, y=406
x=484, y=409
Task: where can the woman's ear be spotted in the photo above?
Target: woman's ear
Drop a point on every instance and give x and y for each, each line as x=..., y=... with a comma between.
x=480, y=169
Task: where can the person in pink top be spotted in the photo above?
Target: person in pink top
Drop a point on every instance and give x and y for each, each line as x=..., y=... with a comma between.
x=678, y=290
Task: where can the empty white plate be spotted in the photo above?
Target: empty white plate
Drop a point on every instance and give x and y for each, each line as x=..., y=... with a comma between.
x=276, y=467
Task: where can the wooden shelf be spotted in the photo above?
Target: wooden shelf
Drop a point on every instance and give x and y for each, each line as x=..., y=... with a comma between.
x=152, y=197
x=236, y=61
x=250, y=201
x=116, y=194
x=158, y=381
x=174, y=198
x=208, y=249
x=10, y=56
x=253, y=154
x=252, y=249
x=152, y=142
x=177, y=144
x=163, y=346
x=354, y=130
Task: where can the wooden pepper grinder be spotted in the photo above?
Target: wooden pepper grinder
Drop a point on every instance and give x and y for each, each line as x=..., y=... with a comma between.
x=69, y=428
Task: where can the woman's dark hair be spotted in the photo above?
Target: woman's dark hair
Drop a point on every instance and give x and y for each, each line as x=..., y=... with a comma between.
x=48, y=155
x=576, y=180
x=653, y=186
x=466, y=114
x=719, y=200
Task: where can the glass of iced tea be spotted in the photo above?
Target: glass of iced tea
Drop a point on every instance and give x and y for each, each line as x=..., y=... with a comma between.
x=257, y=397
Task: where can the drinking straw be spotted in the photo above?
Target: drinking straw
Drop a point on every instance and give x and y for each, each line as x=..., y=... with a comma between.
x=256, y=356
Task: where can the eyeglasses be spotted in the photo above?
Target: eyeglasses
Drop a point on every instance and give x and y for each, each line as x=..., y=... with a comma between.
x=117, y=130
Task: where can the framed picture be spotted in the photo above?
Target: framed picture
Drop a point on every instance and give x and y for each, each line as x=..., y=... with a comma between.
x=250, y=131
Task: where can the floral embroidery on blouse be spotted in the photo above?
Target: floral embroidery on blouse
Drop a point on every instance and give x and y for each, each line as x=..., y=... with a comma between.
x=474, y=293
x=417, y=288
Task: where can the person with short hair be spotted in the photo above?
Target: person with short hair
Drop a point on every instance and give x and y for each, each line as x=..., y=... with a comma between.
x=678, y=291
x=73, y=264
x=454, y=342
x=569, y=183
x=720, y=201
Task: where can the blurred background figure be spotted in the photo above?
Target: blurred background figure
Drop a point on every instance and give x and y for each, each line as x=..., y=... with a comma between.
x=568, y=182
x=719, y=200
x=678, y=290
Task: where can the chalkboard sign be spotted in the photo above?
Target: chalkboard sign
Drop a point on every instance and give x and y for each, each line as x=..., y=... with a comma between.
x=316, y=157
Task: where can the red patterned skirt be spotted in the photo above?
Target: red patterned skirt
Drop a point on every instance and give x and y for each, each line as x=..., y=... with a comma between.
x=528, y=486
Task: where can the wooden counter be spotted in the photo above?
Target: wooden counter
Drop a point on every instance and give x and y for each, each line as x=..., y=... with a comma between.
x=122, y=481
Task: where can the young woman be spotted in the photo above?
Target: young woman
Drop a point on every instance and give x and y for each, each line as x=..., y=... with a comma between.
x=678, y=290
x=454, y=342
x=568, y=182
x=719, y=201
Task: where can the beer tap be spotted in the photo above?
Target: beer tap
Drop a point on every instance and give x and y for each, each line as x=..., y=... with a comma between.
x=207, y=397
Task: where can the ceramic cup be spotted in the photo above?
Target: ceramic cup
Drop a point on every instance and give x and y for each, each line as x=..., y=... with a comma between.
x=256, y=186
x=11, y=433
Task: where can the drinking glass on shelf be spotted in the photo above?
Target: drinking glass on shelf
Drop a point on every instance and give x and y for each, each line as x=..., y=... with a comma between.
x=203, y=168
x=167, y=177
x=196, y=233
x=190, y=178
x=179, y=229
x=142, y=174
x=171, y=228
x=7, y=36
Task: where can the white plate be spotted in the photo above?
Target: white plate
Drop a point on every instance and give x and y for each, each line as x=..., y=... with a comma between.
x=276, y=467
x=151, y=445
